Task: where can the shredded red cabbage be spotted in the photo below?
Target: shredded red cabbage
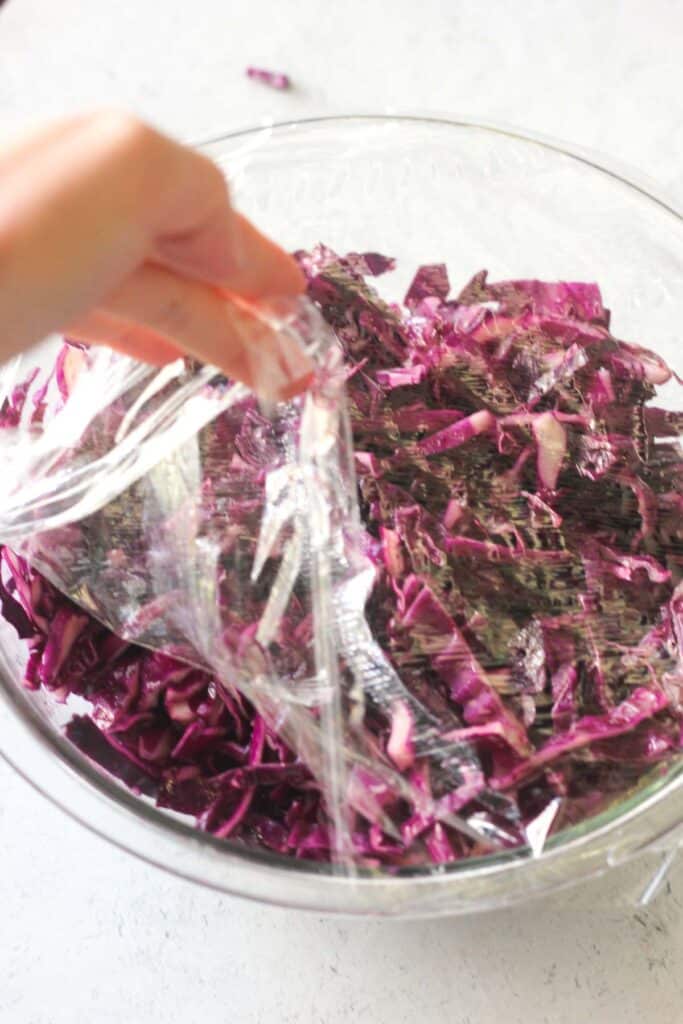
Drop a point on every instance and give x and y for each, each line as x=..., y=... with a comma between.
x=275, y=79
x=523, y=508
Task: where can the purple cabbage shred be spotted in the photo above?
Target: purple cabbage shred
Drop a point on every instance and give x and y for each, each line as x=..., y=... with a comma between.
x=522, y=502
x=275, y=79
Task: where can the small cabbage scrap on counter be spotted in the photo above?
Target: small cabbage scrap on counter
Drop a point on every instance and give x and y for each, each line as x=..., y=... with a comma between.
x=275, y=79
x=522, y=503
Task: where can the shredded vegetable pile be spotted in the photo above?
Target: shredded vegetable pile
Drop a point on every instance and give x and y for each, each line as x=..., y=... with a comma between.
x=522, y=502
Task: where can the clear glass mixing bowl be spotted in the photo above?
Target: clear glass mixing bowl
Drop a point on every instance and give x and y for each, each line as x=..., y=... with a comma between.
x=419, y=189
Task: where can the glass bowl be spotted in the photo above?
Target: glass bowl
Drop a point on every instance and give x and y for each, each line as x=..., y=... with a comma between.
x=421, y=190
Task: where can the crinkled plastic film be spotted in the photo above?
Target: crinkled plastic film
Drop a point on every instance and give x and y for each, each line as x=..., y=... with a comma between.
x=430, y=639
x=191, y=520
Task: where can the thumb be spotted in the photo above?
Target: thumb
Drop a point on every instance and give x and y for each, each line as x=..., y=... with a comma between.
x=228, y=251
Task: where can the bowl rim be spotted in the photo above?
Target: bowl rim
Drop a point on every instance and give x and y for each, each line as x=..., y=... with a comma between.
x=633, y=177
x=108, y=809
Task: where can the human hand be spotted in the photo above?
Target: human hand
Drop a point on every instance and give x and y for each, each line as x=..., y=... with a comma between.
x=114, y=234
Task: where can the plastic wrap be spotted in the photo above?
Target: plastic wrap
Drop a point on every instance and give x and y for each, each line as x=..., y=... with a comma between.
x=192, y=520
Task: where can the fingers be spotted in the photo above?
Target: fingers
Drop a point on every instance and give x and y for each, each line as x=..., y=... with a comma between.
x=99, y=328
x=87, y=202
x=263, y=273
x=254, y=270
x=154, y=304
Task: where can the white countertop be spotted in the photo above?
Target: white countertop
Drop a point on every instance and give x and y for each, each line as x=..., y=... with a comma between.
x=88, y=933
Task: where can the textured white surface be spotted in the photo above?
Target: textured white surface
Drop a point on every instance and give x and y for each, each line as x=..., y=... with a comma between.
x=87, y=933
